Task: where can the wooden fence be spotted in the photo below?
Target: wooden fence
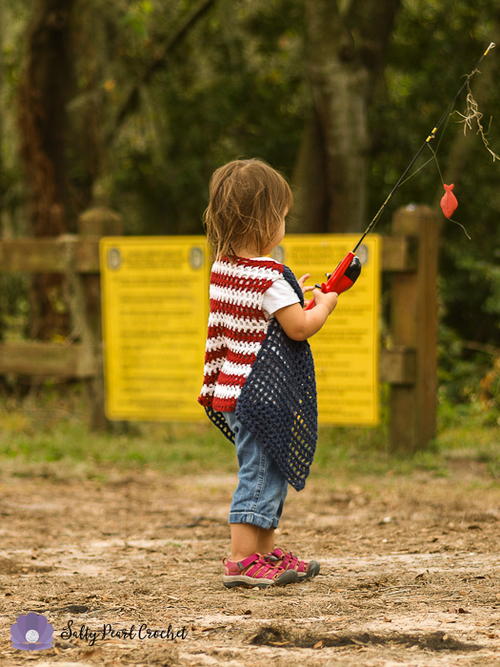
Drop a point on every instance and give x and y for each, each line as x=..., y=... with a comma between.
x=408, y=364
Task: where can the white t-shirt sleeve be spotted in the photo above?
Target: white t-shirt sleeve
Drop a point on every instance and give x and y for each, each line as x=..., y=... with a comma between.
x=279, y=295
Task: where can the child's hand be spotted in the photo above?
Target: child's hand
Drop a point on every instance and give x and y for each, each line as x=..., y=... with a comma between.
x=302, y=280
x=329, y=299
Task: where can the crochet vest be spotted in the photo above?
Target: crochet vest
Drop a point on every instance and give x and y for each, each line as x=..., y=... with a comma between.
x=253, y=368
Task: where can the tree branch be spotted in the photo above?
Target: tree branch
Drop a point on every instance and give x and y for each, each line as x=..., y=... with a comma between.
x=132, y=100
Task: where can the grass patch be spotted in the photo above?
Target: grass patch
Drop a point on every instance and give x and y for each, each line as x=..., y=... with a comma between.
x=189, y=450
x=51, y=436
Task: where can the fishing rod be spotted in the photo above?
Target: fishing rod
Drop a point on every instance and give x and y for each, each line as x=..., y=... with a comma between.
x=348, y=270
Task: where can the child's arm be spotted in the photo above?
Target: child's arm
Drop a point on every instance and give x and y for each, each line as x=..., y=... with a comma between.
x=299, y=324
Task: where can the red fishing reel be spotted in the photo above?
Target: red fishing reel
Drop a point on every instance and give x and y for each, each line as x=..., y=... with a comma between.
x=342, y=279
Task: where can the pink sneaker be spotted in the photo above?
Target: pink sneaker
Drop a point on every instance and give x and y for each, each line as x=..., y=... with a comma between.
x=256, y=571
x=290, y=562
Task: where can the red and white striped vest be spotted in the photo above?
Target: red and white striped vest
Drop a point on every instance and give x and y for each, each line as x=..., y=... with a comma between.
x=237, y=327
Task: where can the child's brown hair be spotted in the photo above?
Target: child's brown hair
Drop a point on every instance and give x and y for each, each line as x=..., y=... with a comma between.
x=247, y=201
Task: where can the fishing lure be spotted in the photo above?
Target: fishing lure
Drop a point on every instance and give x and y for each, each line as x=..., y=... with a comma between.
x=449, y=205
x=448, y=201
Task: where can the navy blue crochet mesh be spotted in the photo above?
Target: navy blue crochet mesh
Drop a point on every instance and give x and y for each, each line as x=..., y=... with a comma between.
x=278, y=401
x=218, y=419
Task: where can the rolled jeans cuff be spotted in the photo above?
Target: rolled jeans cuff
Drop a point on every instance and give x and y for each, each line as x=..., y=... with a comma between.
x=253, y=518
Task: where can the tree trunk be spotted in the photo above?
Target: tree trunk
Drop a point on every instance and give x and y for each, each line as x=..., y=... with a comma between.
x=45, y=89
x=310, y=206
x=346, y=44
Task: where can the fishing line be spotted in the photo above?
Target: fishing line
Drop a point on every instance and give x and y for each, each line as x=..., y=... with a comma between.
x=445, y=116
x=442, y=181
x=348, y=269
x=441, y=136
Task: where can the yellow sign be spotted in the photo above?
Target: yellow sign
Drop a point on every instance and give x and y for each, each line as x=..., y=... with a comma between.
x=155, y=314
x=155, y=310
x=346, y=349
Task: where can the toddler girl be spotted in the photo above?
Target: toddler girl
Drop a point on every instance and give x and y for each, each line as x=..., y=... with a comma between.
x=259, y=384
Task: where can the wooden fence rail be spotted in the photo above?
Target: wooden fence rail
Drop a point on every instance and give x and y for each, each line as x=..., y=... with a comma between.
x=409, y=366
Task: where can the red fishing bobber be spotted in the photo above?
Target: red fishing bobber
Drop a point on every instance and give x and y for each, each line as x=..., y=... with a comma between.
x=448, y=202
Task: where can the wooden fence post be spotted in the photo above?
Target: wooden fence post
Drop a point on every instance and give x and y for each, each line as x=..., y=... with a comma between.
x=96, y=222
x=413, y=405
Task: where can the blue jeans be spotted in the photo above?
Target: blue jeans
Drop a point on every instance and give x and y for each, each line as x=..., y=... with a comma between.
x=262, y=488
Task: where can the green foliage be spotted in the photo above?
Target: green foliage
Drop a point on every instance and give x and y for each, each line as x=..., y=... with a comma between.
x=462, y=366
x=236, y=87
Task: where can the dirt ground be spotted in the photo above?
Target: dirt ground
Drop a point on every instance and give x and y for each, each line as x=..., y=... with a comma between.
x=407, y=571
